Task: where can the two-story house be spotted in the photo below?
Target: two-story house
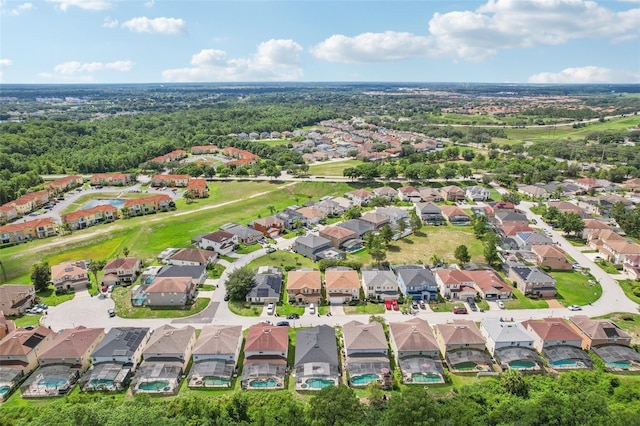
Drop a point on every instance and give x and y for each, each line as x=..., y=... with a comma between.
x=121, y=270
x=379, y=284
x=222, y=242
x=416, y=282
x=341, y=285
x=70, y=275
x=304, y=286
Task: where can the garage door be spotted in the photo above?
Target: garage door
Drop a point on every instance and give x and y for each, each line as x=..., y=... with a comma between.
x=336, y=300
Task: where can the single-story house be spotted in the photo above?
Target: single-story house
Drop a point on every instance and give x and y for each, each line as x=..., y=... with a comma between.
x=455, y=215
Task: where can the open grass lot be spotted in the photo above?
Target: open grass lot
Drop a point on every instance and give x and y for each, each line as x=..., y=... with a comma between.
x=628, y=286
x=420, y=248
x=369, y=308
x=575, y=288
x=332, y=168
x=283, y=259
x=628, y=322
x=122, y=299
x=146, y=236
x=522, y=302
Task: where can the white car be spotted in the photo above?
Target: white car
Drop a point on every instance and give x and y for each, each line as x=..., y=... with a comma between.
x=312, y=309
x=500, y=304
x=575, y=308
x=271, y=308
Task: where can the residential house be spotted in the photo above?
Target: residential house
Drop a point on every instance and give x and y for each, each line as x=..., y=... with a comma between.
x=462, y=346
x=430, y=213
x=342, y=285
x=533, y=191
x=526, y=240
x=6, y=325
x=559, y=343
x=7, y=213
x=267, y=285
x=175, y=155
x=337, y=235
x=455, y=284
x=533, y=281
x=304, y=286
x=197, y=273
x=69, y=275
x=245, y=234
x=510, y=344
x=511, y=219
x=395, y=214
x=500, y=207
x=63, y=184
x=329, y=207
x=452, y=193
x=27, y=231
x=358, y=226
x=20, y=349
x=265, y=357
x=360, y=196
x=115, y=359
x=311, y=215
x=316, y=363
x=314, y=247
x=222, y=242
x=616, y=251
x=165, y=360
x=215, y=356
x=416, y=351
x=490, y=285
x=597, y=237
x=631, y=266
x=73, y=347
x=409, y=193
x=204, y=149
x=29, y=202
x=567, y=207
x=379, y=284
x=198, y=188
x=632, y=185
x=146, y=205
x=477, y=193
x=513, y=230
x=430, y=194
x=81, y=219
x=416, y=282
x=270, y=226
x=170, y=180
x=110, y=179
x=187, y=257
x=455, y=215
x=16, y=298
x=170, y=291
x=376, y=219
x=123, y=270
x=386, y=192
x=366, y=354
x=551, y=257
x=292, y=218
x=598, y=332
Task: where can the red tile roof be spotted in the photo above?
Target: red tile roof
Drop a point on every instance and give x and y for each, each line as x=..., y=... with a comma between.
x=69, y=217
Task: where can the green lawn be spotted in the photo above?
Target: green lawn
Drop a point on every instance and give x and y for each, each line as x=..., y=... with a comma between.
x=245, y=309
x=441, y=306
x=628, y=286
x=333, y=168
x=285, y=309
x=243, y=249
x=217, y=271
x=608, y=267
x=207, y=287
x=575, y=288
x=49, y=297
x=122, y=298
x=283, y=259
x=27, y=319
x=522, y=302
x=369, y=308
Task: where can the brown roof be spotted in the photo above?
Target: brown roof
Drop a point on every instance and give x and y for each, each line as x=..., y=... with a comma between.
x=218, y=339
x=193, y=255
x=169, y=285
x=488, y=280
x=363, y=336
x=360, y=193
x=341, y=279
x=66, y=268
x=15, y=291
x=152, y=199
x=460, y=332
x=452, y=189
x=267, y=338
x=450, y=211
x=547, y=251
x=269, y=222
x=171, y=177
x=38, y=223
x=375, y=218
x=338, y=232
x=122, y=263
x=623, y=246
x=310, y=213
x=169, y=340
x=219, y=236
x=109, y=175
x=21, y=342
x=300, y=279
x=599, y=329
x=552, y=329
x=595, y=224
x=512, y=230
x=73, y=342
x=413, y=335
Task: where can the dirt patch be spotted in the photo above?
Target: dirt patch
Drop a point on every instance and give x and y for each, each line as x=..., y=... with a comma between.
x=553, y=304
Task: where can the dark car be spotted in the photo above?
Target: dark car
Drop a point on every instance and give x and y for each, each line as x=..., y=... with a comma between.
x=293, y=316
x=226, y=297
x=283, y=324
x=472, y=304
x=111, y=313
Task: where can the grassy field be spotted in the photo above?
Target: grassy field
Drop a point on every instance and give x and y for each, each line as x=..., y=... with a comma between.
x=333, y=168
x=245, y=309
x=369, y=309
x=522, y=302
x=627, y=287
x=122, y=299
x=575, y=288
x=282, y=259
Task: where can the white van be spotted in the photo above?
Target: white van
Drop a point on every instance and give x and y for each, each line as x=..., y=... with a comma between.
x=312, y=308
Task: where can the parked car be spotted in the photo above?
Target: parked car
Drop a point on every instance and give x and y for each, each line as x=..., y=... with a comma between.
x=312, y=308
x=226, y=297
x=293, y=316
x=414, y=306
x=270, y=249
x=422, y=305
x=283, y=324
x=472, y=304
x=387, y=304
x=111, y=313
x=500, y=304
x=575, y=308
x=459, y=310
x=271, y=307
x=110, y=288
x=394, y=305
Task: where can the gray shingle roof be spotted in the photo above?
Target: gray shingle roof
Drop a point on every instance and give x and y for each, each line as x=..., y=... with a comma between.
x=122, y=341
x=317, y=344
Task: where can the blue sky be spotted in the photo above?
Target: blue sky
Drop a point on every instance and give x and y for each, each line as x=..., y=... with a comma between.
x=503, y=41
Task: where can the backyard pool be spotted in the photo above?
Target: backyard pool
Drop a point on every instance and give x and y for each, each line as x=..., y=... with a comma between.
x=522, y=364
x=4, y=390
x=53, y=383
x=319, y=383
x=212, y=381
x=466, y=366
x=426, y=378
x=621, y=365
x=263, y=383
x=566, y=363
x=155, y=386
x=103, y=202
x=100, y=384
x=364, y=379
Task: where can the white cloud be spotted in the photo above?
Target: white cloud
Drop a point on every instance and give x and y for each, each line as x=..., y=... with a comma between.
x=150, y=3
x=142, y=24
x=5, y=63
x=588, y=74
x=109, y=23
x=76, y=67
x=83, y=4
x=372, y=47
x=274, y=60
x=494, y=26
x=18, y=10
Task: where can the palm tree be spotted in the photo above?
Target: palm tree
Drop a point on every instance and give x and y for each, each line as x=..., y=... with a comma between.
x=272, y=209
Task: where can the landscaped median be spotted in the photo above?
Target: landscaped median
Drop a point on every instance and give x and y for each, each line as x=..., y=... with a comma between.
x=122, y=298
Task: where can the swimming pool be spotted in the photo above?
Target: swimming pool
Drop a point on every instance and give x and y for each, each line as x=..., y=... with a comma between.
x=103, y=202
x=319, y=383
x=101, y=384
x=4, y=390
x=566, y=363
x=263, y=383
x=155, y=386
x=466, y=366
x=212, y=381
x=53, y=383
x=426, y=378
x=364, y=379
x=521, y=364
x=621, y=365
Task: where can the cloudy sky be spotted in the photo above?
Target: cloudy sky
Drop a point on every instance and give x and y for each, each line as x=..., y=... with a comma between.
x=515, y=41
